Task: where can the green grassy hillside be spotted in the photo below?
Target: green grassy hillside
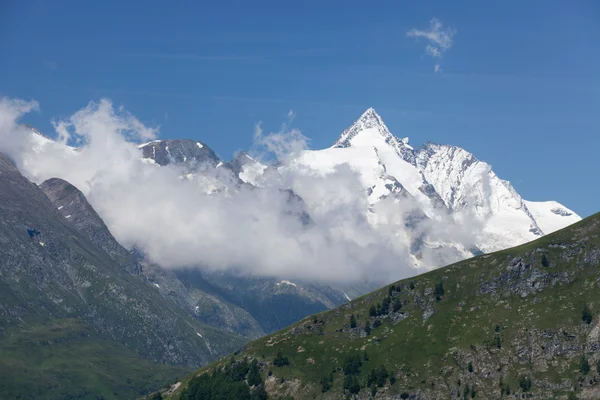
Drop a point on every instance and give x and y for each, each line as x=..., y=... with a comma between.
x=519, y=323
x=66, y=359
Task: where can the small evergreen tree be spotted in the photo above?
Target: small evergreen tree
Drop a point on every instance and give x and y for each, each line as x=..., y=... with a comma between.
x=372, y=378
x=392, y=377
x=397, y=305
x=372, y=311
x=584, y=365
x=280, y=360
x=470, y=366
x=352, y=364
x=254, y=378
x=368, y=328
x=365, y=356
x=352, y=321
x=545, y=262
x=382, y=376
x=439, y=291
x=377, y=323
x=586, y=314
x=385, y=305
x=525, y=383
x=412, y=285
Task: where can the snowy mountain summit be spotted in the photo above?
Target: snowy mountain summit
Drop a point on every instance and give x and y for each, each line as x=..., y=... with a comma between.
x=370, y=195
x=438, y=198
x=447, y=183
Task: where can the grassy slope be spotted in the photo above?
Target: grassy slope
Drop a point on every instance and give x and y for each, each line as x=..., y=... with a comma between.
x=67, y=360
x=535, y=310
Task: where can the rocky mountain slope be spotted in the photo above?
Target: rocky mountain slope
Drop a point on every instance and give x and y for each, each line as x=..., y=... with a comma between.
x=65, y=282
x=518, y=323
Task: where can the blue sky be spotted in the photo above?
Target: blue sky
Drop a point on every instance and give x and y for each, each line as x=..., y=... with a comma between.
x=518, y=85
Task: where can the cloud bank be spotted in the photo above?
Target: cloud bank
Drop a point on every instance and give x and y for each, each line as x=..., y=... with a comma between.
x=185, y=222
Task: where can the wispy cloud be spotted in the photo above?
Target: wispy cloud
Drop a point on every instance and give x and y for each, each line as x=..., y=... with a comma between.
x=440, y=39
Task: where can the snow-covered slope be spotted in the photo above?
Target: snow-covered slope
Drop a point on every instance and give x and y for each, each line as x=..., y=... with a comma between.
x=449, y=184
x=550, y=215
x=475, y=195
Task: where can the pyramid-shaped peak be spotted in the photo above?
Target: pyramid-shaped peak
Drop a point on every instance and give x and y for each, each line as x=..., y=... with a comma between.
x=369, y=119
x=370, y=114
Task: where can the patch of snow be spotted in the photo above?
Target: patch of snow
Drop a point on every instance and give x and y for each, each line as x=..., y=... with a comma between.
x=157, y=285
x=42, y=244
x=147, y=143
x=199, y=145
x=199, y=335
x=349, y=299
x=68, y=216
x=551, y=215
x=60, y=208
x=219, y=164
x=251, y=172
x=148, y=161
x=284, y=282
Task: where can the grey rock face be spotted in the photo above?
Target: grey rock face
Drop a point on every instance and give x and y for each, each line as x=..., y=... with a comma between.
x=190, y=152
x=48, y=270
x=74, y=207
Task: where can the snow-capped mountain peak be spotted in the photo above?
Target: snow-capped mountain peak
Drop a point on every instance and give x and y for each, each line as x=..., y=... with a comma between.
x=371, y=124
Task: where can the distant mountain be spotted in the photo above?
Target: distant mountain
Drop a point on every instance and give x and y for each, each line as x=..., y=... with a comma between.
x=438, y=202
x=248, y=306
x=443, y=180
x=519, y=323
x=69, y=290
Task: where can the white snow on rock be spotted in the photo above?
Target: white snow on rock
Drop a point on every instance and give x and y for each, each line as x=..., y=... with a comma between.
x=157, y=285
x=252, y=171
x=550, y=215
x=284, y=282
x=199, y=145
x=444, y=181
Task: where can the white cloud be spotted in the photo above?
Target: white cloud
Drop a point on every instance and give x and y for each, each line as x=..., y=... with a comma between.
x=255, y=231
x=440, y=39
